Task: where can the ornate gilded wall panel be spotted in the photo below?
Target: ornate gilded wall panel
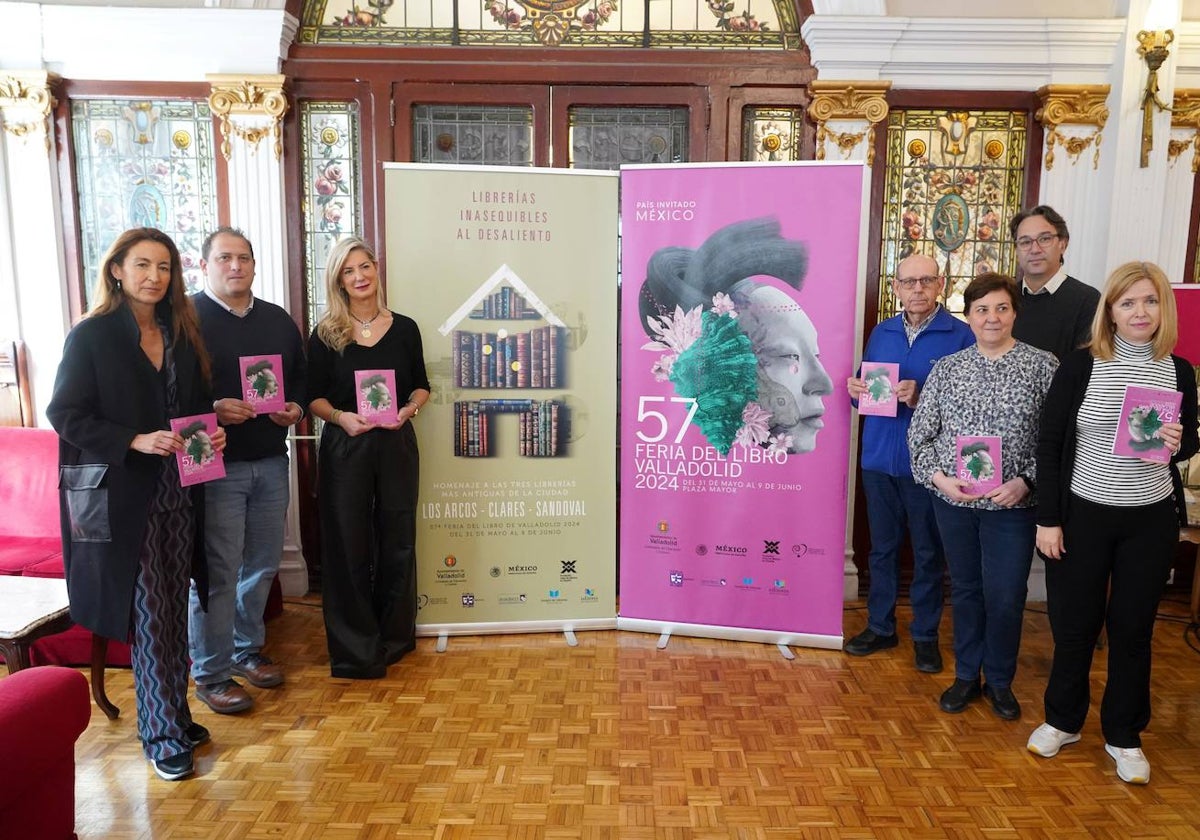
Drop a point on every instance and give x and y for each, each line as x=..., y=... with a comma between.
x=1083, y=109
x=770, y=134
x=332, y=189
x=953, y=180
x=26, y=101
x=144, y=163
x=696, y=24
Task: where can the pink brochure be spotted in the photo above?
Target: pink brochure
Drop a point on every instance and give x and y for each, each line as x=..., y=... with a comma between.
x=198, y=460
x=880, y=397
x=262, y=382
x=376, y=395
x=977, y=460
x=1143, y=413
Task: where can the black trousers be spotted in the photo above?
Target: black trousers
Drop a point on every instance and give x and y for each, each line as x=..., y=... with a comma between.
x=1113, y=575
x=367, y=497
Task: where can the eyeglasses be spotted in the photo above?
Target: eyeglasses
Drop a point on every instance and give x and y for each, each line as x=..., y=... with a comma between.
x=911, y=282
x=1043, y=241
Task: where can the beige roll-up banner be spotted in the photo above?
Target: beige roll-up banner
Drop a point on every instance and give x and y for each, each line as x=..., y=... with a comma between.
x=511, y=275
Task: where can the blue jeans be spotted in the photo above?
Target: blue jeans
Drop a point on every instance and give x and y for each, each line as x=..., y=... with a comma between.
x=989, y=553
x=893, y=502
x=243, y=538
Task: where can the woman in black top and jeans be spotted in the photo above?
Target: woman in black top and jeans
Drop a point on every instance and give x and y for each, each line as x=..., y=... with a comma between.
x=367, y=471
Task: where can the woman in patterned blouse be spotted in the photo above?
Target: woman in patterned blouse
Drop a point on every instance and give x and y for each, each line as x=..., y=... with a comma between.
x=1108, y=523
x=994, y=389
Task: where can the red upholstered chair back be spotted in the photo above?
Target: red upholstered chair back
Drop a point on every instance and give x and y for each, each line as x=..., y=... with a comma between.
x=28, y=482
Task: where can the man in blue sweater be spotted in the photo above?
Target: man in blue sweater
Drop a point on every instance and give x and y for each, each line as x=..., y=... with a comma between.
x=916, y=338
x=245, y=511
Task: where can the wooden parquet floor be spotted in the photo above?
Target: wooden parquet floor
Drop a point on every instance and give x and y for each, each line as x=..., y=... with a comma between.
x=524, y=737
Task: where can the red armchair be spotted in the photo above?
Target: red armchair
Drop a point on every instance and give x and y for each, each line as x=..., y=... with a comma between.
x=43, y=711
x=30, y=535
x=31, y=541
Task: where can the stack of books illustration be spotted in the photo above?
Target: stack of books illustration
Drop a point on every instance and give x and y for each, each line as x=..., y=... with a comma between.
x=530, y=359
x=540, y=421
x=507, y=304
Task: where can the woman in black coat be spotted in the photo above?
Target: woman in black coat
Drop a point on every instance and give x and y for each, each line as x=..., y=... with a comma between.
x=1108, y=524
x=131, y=533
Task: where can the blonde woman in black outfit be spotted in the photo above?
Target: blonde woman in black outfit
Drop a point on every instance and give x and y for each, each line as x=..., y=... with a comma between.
x=1108, y=525
x=367, y=484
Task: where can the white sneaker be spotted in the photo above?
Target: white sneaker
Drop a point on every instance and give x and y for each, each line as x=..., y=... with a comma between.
x=1046, y=741
x=1132, y=765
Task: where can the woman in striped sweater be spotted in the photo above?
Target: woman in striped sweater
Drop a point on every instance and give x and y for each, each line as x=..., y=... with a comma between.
x=1108, y=522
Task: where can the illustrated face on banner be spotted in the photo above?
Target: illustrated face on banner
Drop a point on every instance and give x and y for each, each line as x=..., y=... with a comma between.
x=791, y=379
x=742, y=348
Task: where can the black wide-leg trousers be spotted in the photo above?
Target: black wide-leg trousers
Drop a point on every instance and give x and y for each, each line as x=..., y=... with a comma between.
x=367, y=497
x=1112, y=576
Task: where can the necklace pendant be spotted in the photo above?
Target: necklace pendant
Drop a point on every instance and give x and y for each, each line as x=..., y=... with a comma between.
x=366, y=332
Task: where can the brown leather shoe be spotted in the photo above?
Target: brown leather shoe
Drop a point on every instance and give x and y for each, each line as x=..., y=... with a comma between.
x=224, y=698
x=259, y=671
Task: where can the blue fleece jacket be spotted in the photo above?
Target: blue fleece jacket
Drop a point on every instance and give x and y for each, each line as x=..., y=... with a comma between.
x=885, y=439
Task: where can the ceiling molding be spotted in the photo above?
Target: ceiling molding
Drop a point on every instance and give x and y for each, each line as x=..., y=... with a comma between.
x=964, y=53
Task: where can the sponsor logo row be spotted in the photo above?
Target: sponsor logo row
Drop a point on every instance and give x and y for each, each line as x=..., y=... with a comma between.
x=747, y=583
x=468, y=600
x=662, y=540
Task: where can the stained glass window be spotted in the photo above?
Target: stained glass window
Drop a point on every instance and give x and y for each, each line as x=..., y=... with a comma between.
x=332, y=189
x=144, y=163
x=770, y=134
x=678, y=24
x=483, y=135
x=954, y=179
x=606, y=137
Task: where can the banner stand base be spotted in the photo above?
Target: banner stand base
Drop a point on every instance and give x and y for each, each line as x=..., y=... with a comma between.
x=781, y=638
x=567, y=626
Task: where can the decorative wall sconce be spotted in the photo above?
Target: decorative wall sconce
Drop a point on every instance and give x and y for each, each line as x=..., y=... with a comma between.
x=1152, y=46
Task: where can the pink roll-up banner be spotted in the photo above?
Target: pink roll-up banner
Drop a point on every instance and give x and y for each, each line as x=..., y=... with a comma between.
x=739, y=306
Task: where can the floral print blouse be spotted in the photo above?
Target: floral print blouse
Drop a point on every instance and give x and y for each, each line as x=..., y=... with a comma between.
x=969, y=394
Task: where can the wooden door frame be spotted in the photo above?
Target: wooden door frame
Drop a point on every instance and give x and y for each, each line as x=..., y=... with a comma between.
x=564, y=97
x=406, y=96
x=783, y=97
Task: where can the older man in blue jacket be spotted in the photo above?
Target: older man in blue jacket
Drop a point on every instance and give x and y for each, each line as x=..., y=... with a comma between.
x=915, y=339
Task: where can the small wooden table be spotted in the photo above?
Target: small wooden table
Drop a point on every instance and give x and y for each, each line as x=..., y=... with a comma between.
x=32, y=608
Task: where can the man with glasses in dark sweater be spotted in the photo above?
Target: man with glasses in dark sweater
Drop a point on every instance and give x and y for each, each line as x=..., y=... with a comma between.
x=245, y=511
x=1056, y=310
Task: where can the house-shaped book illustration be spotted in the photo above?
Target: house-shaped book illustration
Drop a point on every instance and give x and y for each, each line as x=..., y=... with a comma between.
x=504, y=358
x=496, y=357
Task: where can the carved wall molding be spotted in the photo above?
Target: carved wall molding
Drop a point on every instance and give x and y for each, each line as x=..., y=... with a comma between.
x=248, y=96
x=846, y=142
x=1077, y=105
x=1185, y=114
x=26, y=100
x=861, y=101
